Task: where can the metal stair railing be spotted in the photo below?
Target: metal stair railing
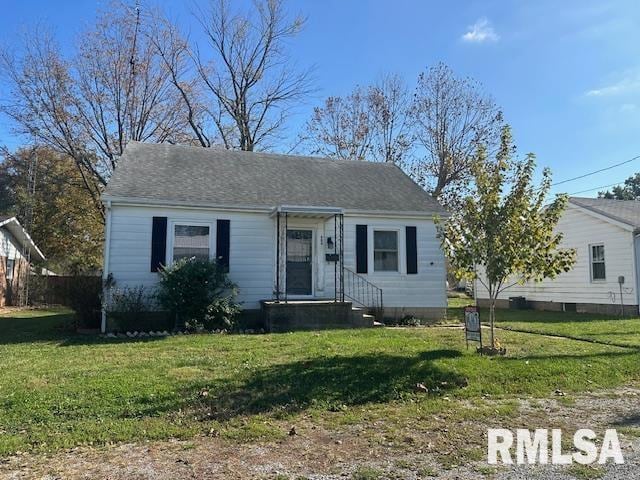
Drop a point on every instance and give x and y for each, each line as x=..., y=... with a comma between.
x=364, y=293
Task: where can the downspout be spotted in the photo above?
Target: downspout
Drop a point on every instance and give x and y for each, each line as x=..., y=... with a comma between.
x=636, y=261
x=105, y=268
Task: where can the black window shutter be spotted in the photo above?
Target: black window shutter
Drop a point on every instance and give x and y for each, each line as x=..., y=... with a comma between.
x=361, y=249
x=223, y=231
x=158, y=243
x=412, y=249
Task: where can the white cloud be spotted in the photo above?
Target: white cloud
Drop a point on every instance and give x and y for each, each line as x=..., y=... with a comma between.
x=627, y=84
x=480, y=32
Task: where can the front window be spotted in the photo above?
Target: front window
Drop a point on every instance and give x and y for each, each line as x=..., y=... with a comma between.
x=385, y=251
x=597, y=262
x=10, y=266
x=191, y=241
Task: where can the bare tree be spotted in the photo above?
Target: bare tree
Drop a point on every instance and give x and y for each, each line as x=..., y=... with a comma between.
x=173, y=48
x=392, y=133
x=113, y=90
x=452, y=117
x=368, y=124
x=341, y=128
x=249, y=84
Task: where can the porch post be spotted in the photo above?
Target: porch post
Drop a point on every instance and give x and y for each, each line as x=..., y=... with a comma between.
x=342, y=257
x=335, y=264
x=286, y=252
x=278, y=256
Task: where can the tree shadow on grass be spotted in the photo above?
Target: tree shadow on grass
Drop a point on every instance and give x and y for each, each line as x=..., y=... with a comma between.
x=93, y=339
x=332, y=383
x=541, y=316
x=630, y=353
x=632, y=420
x=35, y=326
x=534, y=316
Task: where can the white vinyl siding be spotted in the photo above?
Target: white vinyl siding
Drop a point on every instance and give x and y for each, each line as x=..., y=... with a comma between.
x=427, y=288
x=252, y=253
x=9, y=247
x=581, y=230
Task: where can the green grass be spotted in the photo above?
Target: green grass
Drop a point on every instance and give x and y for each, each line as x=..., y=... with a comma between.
x=598, y=328
x=585, y=472
x=59, y=390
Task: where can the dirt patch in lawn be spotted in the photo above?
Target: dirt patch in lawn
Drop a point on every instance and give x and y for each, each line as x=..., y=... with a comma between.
x=446, y=446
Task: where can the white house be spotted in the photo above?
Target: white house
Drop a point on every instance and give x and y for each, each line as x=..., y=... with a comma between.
x=606, y=236
x=286, y=227
x=17, y=251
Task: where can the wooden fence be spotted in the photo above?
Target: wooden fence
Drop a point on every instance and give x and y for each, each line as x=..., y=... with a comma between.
x=61, y=289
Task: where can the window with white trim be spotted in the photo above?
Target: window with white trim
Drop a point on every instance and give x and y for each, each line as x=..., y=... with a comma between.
x=191, y=241
x=385, y=251
x=10, y=266
x=598, y=270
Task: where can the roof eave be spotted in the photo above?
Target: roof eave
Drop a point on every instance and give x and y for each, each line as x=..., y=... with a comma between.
x=594, y=212
x=22, y=236
x=148, y=202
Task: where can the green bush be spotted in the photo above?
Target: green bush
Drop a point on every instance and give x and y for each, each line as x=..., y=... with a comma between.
x=221, y=313
x=84, y=298
x=198, y=293
x=131, y=300
x=409, y=321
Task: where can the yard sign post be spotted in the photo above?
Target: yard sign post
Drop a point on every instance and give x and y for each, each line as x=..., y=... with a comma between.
x=472, y=327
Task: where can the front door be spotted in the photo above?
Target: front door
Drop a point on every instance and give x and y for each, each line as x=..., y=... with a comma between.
x=299, y=262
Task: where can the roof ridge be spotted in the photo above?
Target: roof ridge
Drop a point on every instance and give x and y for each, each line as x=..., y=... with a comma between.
x=187, y=173
x=254, y=152
x=605, y=199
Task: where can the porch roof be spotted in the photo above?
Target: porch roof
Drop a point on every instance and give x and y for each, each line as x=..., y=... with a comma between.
x=303, y=211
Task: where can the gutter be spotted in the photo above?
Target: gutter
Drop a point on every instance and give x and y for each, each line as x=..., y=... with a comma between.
x=636, y=261
x=146, y=202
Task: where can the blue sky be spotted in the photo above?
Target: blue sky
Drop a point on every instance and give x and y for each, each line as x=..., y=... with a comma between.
x=567, y=74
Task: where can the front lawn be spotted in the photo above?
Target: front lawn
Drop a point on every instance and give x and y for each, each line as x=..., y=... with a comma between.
x=60, y=390
x=598, y=328
x=611, y=330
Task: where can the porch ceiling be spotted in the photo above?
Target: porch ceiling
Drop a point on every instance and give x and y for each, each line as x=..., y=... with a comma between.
x=306, y=212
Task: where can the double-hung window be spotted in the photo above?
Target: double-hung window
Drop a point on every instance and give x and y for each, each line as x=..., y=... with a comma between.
x=191, y=241
x=385, y=251
x=10, y=266
x=598, y=271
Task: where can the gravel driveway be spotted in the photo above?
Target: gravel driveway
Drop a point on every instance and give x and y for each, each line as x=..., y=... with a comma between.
x=316, y=453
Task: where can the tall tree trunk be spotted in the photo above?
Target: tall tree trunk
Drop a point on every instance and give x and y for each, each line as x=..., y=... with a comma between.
x=492, y=317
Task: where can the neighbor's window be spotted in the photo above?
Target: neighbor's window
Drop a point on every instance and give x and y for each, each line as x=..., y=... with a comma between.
x=385, y=251
x=10, y=266
x=597, y=262
x=191, y=241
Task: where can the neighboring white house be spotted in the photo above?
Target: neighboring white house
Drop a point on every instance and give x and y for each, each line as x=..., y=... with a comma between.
x=606, y=236
x=279, y=224
x=17, y=251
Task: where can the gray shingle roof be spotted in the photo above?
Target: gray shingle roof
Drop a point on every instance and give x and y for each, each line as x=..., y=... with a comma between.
x=625, y=211
x=182, y=174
